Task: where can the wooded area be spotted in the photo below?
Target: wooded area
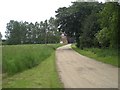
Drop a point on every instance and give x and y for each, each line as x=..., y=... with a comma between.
x=29, y=33
x=91, y=24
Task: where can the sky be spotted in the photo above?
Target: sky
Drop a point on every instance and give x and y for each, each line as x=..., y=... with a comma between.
x=28, y=10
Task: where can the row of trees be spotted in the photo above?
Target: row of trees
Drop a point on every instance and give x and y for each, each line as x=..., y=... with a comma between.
x=92, y=24
x=29, y=33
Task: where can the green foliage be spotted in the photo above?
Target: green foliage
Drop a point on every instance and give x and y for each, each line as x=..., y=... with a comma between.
x=79, y=20
x=89, y=28
x=17, y=58
x=29, y=33
x=83, y=20
x=103, y=37
x=110, y=21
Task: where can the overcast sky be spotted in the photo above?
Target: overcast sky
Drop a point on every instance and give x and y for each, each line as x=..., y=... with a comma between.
x=28, y=10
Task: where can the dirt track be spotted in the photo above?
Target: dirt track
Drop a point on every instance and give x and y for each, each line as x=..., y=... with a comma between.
x=78, y=71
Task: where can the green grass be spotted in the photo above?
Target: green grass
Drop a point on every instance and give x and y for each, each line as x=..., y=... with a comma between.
x=43, y=75
x=17, y=58
x=109, y=56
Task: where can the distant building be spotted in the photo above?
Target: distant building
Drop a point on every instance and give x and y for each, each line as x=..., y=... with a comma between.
x=63, y=38
x=71, y=39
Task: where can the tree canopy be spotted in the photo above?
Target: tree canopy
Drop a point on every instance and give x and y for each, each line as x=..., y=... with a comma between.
x=92, y=24
x=29, y=33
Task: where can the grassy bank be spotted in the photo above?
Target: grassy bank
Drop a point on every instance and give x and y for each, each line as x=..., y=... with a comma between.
x=109, y=56
x=42, y=76
x=17, y=58
x=41, y=61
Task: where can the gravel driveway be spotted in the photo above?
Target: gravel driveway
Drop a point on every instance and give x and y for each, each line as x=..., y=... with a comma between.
x=78, y=71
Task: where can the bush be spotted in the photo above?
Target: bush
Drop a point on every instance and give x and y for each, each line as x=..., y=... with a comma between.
x=103, y=37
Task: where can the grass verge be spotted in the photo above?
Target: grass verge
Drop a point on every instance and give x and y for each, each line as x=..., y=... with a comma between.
x=109, y=56
x=42, y=76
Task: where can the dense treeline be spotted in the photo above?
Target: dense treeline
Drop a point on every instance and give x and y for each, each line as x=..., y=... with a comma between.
x=92, y=24
x=29, y=33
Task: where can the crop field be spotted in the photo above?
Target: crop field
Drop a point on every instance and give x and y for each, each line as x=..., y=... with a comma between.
x=20, y=61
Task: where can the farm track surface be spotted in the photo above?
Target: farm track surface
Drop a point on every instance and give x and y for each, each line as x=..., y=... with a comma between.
x=78, y=71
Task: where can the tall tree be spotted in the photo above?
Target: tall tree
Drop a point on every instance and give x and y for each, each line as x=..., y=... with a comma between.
x=13, y=32
x=53, y=33
x=109, y=23
x=70, y=19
